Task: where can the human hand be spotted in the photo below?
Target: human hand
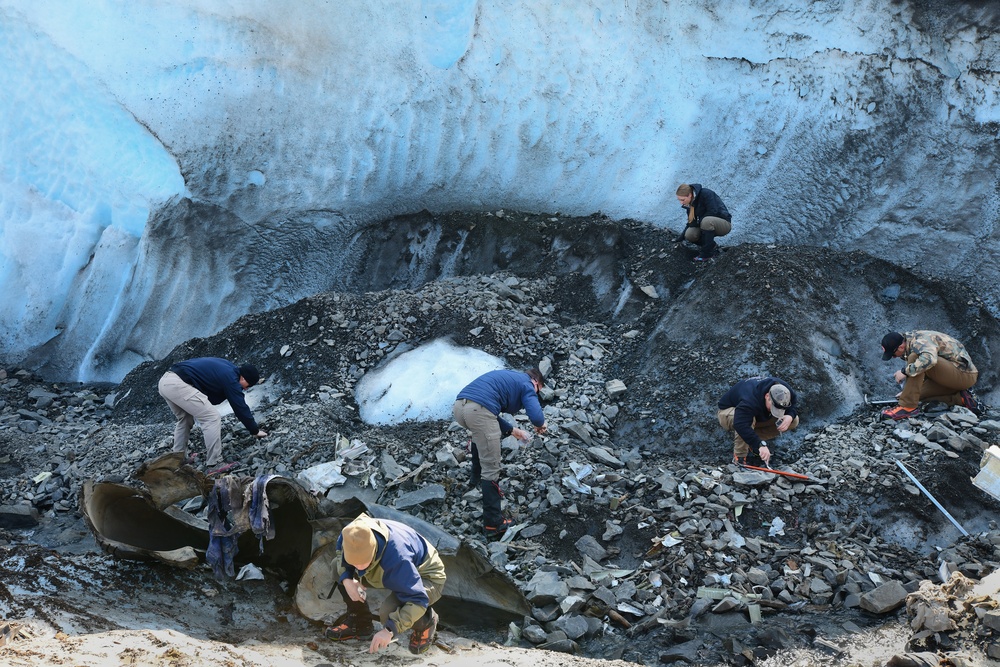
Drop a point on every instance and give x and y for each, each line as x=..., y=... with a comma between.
x=899, y=376
x=783, y=423
x=541, y=430
x=521, y=434
x=261, y=433
x=765, y=453
x=355, y=590
x=381, y=639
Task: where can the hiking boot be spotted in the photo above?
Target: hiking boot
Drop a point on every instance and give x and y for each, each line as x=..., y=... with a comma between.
x=422, y=638
x=350, y=627
x=738, y=461
x=711, y=254
x=899, y=412
x=496, y=532
x=970, y=402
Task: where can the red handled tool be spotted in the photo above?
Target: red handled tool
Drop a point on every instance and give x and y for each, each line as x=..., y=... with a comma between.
x=793, y=475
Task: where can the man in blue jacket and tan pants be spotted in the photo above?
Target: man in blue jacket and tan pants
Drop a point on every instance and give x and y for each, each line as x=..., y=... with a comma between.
x=194, y=387
x=478, y=409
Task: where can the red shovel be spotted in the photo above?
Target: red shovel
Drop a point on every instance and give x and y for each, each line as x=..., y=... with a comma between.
x=793, y=475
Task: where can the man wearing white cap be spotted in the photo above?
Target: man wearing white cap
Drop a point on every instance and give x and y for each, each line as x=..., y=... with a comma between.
x=387, y=554
x=755, y=409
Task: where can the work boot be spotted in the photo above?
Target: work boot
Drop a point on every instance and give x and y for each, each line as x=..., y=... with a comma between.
x=494, y=523
x=970, y=402
x=424, y=631
x=899, y=412
x=355, y=624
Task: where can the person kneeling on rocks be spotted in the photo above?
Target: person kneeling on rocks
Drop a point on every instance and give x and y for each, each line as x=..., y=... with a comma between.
x=938, y=368
x=755, y=409
x=478, y=409
x=387, y=554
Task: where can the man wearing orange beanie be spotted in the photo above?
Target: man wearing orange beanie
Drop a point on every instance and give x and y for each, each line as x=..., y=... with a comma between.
x=387, y=554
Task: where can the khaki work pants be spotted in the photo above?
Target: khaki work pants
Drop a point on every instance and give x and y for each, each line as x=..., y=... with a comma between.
x=486, y=435
x=190, y=405
x=944, y=381
x=710, y=223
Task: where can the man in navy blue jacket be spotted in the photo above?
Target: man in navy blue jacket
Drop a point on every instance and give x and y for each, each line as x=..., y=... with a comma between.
x=194, y=387
x=478, y=409
x=755, y=409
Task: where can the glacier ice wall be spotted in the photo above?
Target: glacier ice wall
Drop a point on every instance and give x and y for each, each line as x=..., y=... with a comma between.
x=169, y=165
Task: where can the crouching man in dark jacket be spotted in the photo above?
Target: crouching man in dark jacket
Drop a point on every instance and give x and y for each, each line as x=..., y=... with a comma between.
x=755, y=409
x=387, y=554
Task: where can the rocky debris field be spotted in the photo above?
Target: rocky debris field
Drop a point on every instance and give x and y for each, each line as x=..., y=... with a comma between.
x=635, y=537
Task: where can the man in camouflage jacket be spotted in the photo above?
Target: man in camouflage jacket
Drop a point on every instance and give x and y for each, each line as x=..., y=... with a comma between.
x=938, y=368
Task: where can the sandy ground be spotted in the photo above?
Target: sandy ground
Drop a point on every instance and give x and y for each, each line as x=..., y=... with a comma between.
x=161, y=648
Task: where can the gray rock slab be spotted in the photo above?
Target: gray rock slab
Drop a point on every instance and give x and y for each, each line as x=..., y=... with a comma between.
x=605, y=595
x=579, y=431
x=421, y=496
x=572, y=624
x=561, y=646
x=546, y=614
x=34, y=416
x=545, y=588
x=15, y=517
x=752, y=478
x=686, y=652
x=588, y=545
x=534, y=634
x=534, y=530
x=601, y=455
x=615, y=388
x=887, y=597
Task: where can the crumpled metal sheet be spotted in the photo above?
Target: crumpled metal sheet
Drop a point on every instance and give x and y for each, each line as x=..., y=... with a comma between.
x=145, y=524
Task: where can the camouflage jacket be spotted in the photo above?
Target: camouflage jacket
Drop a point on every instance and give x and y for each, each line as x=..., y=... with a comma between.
x=929, y=346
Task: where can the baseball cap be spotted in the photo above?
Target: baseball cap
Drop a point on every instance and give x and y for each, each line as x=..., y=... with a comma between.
x=781, y=398
x=359, y=544
x=890, y=343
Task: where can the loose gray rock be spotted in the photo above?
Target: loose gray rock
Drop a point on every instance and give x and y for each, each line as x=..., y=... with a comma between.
x=422, y=496
x=589, y=546
x=885, y=598
x=573, y=625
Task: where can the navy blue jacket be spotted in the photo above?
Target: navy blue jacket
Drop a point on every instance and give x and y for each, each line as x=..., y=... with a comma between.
x=505, y=391
x=220, y=381
x=707, y=204
x=747, y=396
